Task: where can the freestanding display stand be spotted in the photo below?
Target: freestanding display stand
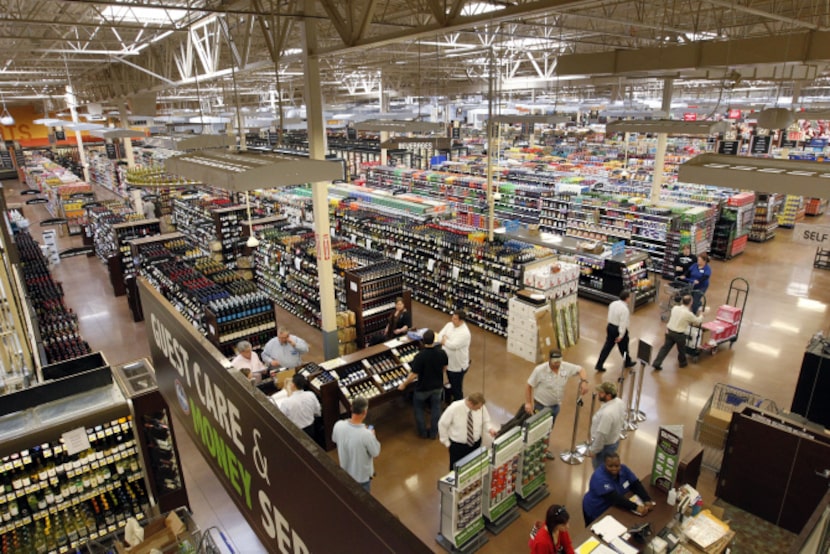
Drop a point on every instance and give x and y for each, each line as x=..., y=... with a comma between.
x=462, y=524
x=500, y=483
x=532, y=487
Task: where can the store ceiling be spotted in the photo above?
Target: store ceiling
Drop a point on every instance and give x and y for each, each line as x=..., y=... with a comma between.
x=207, y=53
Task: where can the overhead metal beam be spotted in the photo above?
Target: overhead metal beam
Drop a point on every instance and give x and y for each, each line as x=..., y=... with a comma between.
x=736, y=6
x=804, y=47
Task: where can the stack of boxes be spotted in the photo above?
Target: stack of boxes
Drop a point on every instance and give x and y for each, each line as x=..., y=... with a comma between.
x=346, y=332
x=726, y=324
x=530, y=332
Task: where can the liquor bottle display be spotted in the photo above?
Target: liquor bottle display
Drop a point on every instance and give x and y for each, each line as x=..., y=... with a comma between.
x=54, y=499
x=370, y=293
x=448, y=266
x=217, y=300
x=214, y=222
x=57, y=324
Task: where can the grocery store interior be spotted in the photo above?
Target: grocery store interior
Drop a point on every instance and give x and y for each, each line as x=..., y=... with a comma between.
x=487, y=156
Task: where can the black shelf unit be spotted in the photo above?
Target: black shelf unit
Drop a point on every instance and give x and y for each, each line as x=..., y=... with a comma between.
x=370, y=293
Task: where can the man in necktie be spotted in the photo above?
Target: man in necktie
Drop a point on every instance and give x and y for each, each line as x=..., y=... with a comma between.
x=462, y=424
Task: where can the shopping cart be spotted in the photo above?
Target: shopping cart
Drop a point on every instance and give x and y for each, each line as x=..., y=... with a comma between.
x=672, y=294
x=713, y=422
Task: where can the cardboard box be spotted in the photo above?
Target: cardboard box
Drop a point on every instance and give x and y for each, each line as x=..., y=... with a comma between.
x=717, y=419
x=730, y=314
x=546, y=335
x=159, y=534
x=720, y=330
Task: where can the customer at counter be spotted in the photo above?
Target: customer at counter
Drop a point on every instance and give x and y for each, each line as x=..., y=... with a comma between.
x=609, y=485
x=285, y=350
x=552, y=537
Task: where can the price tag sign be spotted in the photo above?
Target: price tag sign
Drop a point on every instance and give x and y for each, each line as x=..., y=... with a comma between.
x=297, y=263
x=399, y=254
x=455, y=271
x=495, y=285
x=75, y=441
x=430, y=265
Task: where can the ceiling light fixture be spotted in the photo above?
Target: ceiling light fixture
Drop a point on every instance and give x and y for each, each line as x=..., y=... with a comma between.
x=5, y=117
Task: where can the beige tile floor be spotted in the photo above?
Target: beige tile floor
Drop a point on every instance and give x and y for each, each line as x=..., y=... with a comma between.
x=788, y=302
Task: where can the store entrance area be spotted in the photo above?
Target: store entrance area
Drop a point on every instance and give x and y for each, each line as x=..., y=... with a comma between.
x=787, y=303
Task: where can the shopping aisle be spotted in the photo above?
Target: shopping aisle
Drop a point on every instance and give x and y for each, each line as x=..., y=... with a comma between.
x=787, y=304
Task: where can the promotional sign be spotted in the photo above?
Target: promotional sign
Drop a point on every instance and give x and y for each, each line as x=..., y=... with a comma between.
x=729, y=147
x=666, y=456
x=689, y=116
x=733, y=114
x=294, y=497
x=760, y=144
x=60, y=135
x=112, y=152
x=817, y=236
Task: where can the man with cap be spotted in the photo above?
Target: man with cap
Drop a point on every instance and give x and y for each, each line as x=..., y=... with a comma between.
x=607, y=423
x=546, y=385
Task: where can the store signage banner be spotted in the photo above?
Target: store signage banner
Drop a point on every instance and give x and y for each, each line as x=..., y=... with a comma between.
x=290, y=492
x=817, y=236
x=760, y=144
x=667, y=456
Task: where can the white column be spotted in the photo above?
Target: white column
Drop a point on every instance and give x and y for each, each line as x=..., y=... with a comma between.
x=319, y=191
x=70, y=99
x=128, y=142
x=662, y=139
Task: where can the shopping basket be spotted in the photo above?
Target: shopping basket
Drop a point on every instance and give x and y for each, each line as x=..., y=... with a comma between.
x=713, y=422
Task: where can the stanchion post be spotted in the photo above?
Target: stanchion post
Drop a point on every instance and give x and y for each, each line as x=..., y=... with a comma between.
x=621, y=389
x=573, y=457
x=630, y=416
x=639, y=415
x=583, y=447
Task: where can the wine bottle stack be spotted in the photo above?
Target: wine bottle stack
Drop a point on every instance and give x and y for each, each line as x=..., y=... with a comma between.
x=58, y=324
x=165, y=466
x=51, y=500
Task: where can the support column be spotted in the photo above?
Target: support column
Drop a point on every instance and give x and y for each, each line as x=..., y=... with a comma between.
x=662, y=139
x=492, y=130
x=384, y=135
x=319, y=191
x=128, y=142
x=70, y=97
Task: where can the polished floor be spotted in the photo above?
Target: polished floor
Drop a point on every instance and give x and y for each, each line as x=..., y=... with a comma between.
x=787, y=304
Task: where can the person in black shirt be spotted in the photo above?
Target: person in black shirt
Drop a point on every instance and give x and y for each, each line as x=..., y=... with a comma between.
x=400, y=321
x=683, y=261
x=428, y=365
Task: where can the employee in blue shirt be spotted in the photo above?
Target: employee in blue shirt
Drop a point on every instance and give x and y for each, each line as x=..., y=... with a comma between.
x=698, y=276
x=609, y=485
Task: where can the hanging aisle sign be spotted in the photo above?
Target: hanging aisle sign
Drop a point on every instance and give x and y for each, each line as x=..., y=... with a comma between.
x=729, y=147
x=760, y=144
x=264, y=462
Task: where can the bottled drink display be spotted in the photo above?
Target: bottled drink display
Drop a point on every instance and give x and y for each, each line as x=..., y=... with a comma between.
x=51, y=500
x=447, y=266
x=58, y=324
x=218, y=301
x=212, y=221
x=166, y=470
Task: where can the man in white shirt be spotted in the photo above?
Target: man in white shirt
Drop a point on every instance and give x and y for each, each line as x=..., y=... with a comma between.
x=455, y=339
x=677, y=330
x=462, y=424
x=546, y=385
x=300, y=405
x=284, y=350
x=616, y=332
x=246, y=358
x=607, y=423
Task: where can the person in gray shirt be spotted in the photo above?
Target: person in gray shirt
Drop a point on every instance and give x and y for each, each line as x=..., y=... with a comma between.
x=357, y=446
x=284, y=350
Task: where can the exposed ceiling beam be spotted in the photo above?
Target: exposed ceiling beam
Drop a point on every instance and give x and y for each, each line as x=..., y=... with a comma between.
x=736, y=6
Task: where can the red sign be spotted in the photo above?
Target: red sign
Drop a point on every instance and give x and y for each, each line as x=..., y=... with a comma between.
x=689, y=116
x=324, y=247
x=734, y=114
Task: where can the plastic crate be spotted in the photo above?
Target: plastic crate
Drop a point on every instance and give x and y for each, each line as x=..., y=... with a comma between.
x=712, y=425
